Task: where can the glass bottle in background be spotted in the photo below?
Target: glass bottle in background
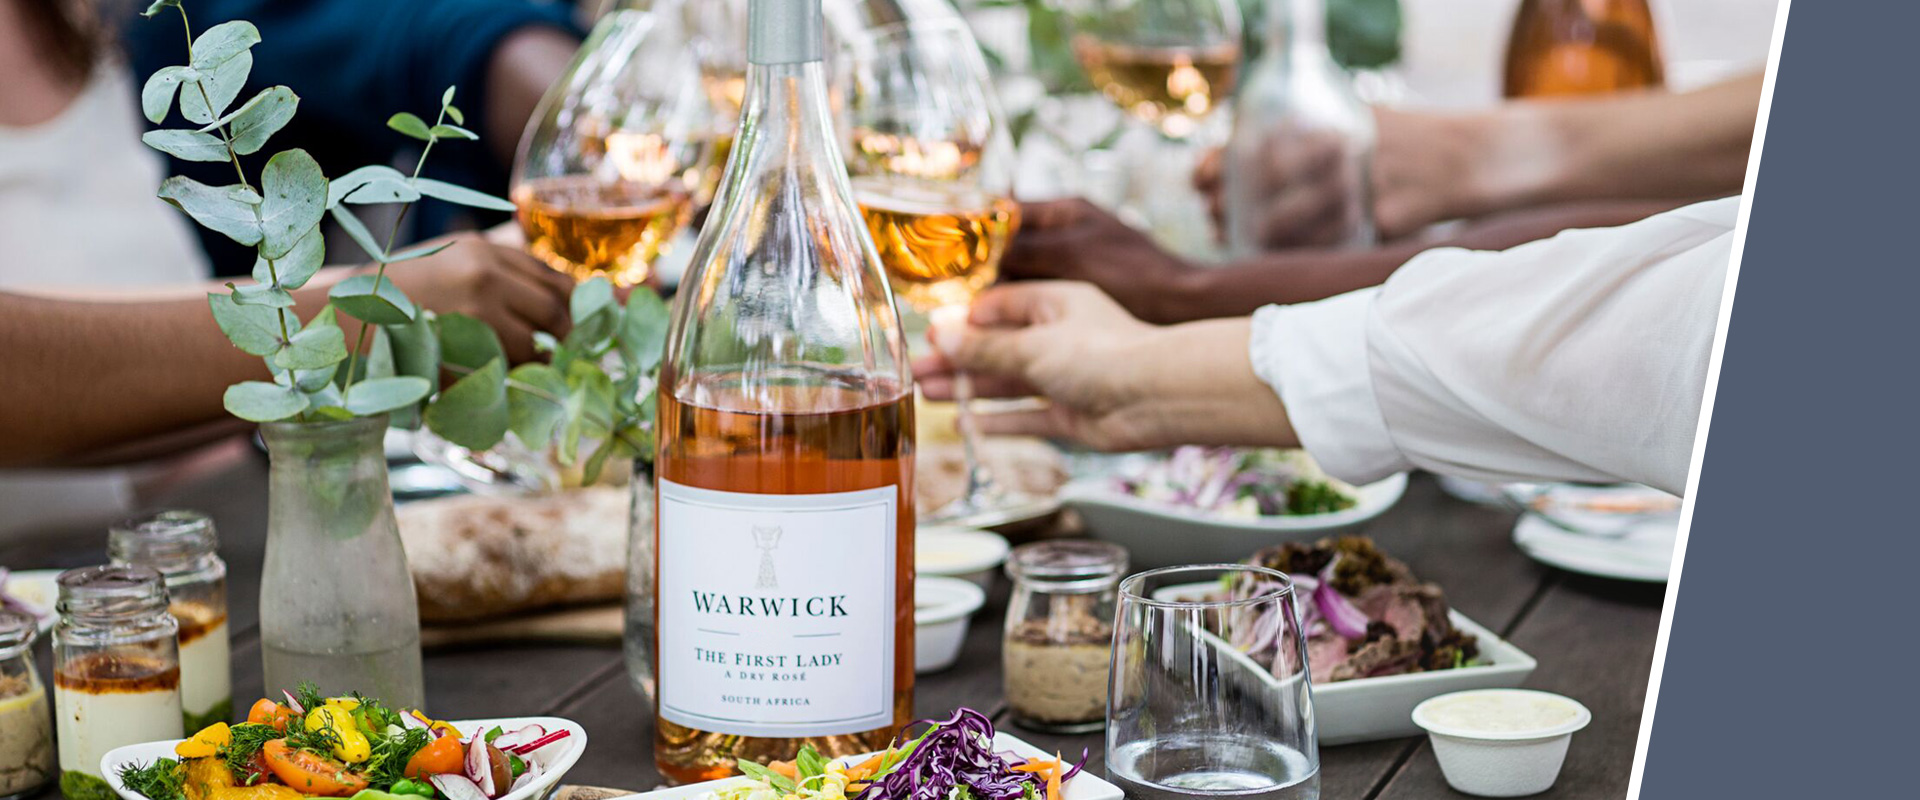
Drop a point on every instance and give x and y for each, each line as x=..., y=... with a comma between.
x=1059, y=633
x=183, y=548
x=116, y=664
x=1298, y=129
x=1563, y=48
x=785, y=466
x=609, y=168
x=336, y=599
x=26, y=727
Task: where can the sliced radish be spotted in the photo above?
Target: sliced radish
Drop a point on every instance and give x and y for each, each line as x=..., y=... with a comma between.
x=457, y=787
x=530, y=747
x=479, y=768
x=408, y=720
x=511, y=739
x=292, y=703
x=528, y=777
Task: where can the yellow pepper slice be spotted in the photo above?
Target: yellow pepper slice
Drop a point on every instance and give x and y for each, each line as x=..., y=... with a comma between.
x=353, y=747
x=207, y=742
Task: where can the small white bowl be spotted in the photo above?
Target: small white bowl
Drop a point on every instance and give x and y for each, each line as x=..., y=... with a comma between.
x=964, y=553
x=1514, y=749
x=941, y=610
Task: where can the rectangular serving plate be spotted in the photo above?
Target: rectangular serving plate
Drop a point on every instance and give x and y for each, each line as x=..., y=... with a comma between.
x=1085, y=786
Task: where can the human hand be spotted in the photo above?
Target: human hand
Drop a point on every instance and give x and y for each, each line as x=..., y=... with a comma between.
x=504, y=287
x=1074, y=240
x=1306, y=186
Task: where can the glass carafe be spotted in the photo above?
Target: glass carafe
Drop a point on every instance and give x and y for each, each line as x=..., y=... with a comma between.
x=336, y=599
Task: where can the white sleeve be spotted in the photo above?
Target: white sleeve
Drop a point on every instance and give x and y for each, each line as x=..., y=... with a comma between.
x=1582, y=357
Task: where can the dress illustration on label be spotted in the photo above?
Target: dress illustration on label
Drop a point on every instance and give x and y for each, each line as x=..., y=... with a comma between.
x=766, y=539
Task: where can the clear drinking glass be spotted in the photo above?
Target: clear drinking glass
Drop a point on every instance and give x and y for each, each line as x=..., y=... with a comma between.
x=1210, y=694
x=1169, y=63
x=616, y=153
x=931, y=163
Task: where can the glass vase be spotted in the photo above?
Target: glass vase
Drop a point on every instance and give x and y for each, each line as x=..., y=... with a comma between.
x=337, y=606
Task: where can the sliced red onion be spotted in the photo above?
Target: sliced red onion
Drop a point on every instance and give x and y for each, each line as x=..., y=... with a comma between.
x=531, y=747
x=457, y=787
x=1339, y=612
x=292, y=703
x=479, y=769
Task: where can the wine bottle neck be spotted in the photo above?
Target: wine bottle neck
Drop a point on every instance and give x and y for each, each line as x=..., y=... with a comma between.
x=785, y=32
x=1297, y=26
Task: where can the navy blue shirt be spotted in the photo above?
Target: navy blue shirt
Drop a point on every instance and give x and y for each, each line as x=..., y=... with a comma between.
x=354, y=63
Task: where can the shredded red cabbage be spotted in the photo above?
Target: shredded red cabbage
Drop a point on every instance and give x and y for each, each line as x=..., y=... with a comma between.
x=958, y=752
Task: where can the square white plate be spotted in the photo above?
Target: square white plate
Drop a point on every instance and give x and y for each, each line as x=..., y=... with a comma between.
x=1084, y=786
x=539, y=789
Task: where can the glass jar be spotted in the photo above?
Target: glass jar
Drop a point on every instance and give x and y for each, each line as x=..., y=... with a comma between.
x=26, y=727
x=182, y=547
x=1059, y=634
x=116, y=664
x=337, y=605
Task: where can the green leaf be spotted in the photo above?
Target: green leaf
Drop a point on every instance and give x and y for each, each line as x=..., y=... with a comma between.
x=416, y=348
x=445, y=131
x=537, y=404
x=261, y=294
x=410, y=125
x=371, y=185
x=446, y=97
x=214, y=90
x=316, y=347
x=473, y=412
x=222, y=42
x=299, y=264
x=156, y=97
x=1364, y=34
x=334, y=413
x=187, y=145
x=260, y=118
x=259, y=401
x=590, y=472
x=643, y=331
x=460, y=195
x=468, y=343
x=455, y=115
x=254, y=329
x=221, y=209
x=159, y=6
x=294, y=193
x=589, y=408
x=313, y=380
x=380, y=395
x=419, y=251
x=378, y=360
x=382, y=304
x=590, y=298
x=357, y=231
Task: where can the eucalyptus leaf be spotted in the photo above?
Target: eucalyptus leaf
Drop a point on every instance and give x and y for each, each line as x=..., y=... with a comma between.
x=156, y=97
x=1364, y=34
x=473, y=411
x=455, y=115
x=357, y=231
x=316, y=347
x=260, y=118
x=590, y=298
x=214, y=90
x=589, y=408
x=416, y=348
x=221, y=42
x=381, y=190
x=590, y=473
x=419, y=251
x=294, y=197
x=298, y=266
x=377, y=362
x=380, y=395
x=371, y=298
x=187, y=145
x=410, y=125
x=259, y=401
x=446, y=97
x=261, y=294
x=592, y=336
x=255, y=329
x=536, y=401
x=445, y=131
x=468, y=343
x=460, y=195
x=217, y=208
x=352, y=182
x=158, y=6
x=313, y=380
x=643, y=331
x=328, y=396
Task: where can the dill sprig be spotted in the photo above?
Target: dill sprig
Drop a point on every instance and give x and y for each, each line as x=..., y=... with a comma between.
x=162, y=779
x=388, y=762
x=248, y=738
x=309, y=695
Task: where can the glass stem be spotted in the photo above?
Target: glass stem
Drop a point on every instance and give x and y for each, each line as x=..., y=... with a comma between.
x=979, y=481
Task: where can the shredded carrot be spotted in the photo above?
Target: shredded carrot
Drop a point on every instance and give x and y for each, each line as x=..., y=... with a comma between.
x=856, y=787
x=1034, y=766
x=1053, y=779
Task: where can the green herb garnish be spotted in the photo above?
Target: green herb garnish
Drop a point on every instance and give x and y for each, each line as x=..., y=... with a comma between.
x=1316, y=497
x=248, y=738
x=163, y=779
x=808, y=764
x=387, y=764
x=769, y=777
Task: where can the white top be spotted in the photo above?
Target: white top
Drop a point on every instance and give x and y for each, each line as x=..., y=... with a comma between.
x=1577, y=358
x=77, y=204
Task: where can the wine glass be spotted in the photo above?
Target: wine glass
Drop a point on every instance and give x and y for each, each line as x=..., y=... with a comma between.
x=931, y=163
x=1209, y=693
x=612, y=161
x=719, y=35
x=1168, y=63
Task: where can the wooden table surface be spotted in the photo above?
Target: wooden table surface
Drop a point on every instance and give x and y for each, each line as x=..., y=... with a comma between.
x=1594, y=640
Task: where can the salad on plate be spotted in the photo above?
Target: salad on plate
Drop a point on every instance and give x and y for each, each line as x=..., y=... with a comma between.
x=350, y=746
x=1236, y=483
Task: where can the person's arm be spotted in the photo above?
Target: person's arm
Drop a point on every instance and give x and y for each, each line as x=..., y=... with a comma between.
x=1073, y=240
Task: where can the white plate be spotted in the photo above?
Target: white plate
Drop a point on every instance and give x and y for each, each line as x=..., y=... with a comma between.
x=1084, y=786
x=1369, y=709
x=1158, y=535
x=539, y=789
x=41, y=587
x=1643, y=553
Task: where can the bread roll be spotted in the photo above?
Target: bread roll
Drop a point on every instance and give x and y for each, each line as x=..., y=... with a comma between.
x=476, y=556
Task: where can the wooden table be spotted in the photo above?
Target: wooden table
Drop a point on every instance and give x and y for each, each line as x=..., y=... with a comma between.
x=1594, y=640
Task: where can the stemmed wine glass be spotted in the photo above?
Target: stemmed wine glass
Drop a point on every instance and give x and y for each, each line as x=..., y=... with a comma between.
x=719, y=37
x=613, y=159
x=931, y=163
x=1168, y=63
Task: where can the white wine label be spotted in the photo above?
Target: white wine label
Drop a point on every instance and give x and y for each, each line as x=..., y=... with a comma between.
x=777, y=611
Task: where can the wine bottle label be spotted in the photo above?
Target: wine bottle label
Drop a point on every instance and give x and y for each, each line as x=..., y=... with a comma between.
x=776, y=611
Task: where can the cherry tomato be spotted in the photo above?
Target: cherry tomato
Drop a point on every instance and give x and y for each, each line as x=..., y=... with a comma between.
x=311, y=773
x=439, y=757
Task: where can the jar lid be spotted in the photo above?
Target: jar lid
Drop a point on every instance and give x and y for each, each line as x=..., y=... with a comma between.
x=17, y=632
x=172, y=541
x=1070, y=561
x=111, y=590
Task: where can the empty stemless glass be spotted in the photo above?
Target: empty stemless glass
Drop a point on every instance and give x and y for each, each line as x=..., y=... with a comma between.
x=1210, y=694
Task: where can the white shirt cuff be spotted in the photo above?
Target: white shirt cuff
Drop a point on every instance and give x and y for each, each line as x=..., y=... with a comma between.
x=1315, y=357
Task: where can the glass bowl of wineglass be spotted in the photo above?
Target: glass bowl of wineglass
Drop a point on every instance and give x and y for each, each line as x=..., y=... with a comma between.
x=613, y=159
x=931, y=166
x=1168, y=63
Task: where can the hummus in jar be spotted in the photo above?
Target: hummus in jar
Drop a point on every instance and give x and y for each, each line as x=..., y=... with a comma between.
x=26, y=737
